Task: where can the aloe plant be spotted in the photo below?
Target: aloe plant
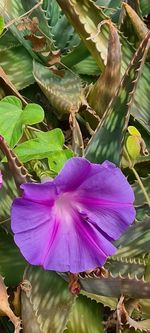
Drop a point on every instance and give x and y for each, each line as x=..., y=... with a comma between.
x=95, y=76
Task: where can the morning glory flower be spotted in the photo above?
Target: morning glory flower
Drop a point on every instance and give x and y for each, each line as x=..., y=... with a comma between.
x=68, y=224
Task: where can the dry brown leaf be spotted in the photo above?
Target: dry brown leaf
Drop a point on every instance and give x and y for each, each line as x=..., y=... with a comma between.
x=27, y=23
x=5, y=309
x=54, y=57
x=38, y=42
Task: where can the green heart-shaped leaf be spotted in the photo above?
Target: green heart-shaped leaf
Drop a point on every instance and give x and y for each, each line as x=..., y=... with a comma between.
x=13, y=118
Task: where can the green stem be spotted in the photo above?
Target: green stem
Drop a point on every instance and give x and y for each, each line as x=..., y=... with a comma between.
x=141, y=185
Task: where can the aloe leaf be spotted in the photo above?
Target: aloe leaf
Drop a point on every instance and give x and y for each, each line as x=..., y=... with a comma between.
x=108, y=139
x=45, y=145
x=139, y=196
x=17, y=64
x=135, y=241
x=85, y=18
x=15, y=9
x=40, y=13
x=64, y=93
x=46, y=306
x=9, y=88
x=11, y=10
x=132, y=266
x=145, y=7
x=115, y=286
x=69, y=39
x=139, y=26
x=111, y=302
x=52, y=11
x=8, y=41
x=86, y=317
x=10, y=260
x=142, y=212
x=87, y=66
x=7, y=194
x=13, y=118
x=76, y=55
x=105, y=87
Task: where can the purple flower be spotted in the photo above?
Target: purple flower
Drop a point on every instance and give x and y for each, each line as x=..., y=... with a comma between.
x=68, y=224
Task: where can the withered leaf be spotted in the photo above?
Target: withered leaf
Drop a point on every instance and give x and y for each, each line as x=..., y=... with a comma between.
x=54, y=57
x=27, y=23
x=5, y=309
x=59, y=72
x=38, y=42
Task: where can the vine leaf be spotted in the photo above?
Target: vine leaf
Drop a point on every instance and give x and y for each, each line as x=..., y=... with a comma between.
x=108, y=139
x=13, y=118
x=46, y=303
x=45, y=145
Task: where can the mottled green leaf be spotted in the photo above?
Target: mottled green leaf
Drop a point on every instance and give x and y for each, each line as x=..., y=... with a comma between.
x=115, y=286
x=139, y=196
x=85, y=18
x=105, y=87
x=108, y=139
x=86, y=317
x=17, y=64
x=13, y=118
x=47, y=305
x=135, y=241
x=139, y=26
x=7, y=194
x=145, y=7
x=133, y=266
x=12, y=264
x=64, y=93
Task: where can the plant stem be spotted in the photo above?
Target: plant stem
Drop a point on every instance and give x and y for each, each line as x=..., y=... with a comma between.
x=142, y=186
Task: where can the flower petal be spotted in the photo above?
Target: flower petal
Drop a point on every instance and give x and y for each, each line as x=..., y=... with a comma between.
x=106, y=183
x=112, y=220
x=68, y=224
x=78, y=246
x=44, y=193
x=34, y=227
x=74, y=172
